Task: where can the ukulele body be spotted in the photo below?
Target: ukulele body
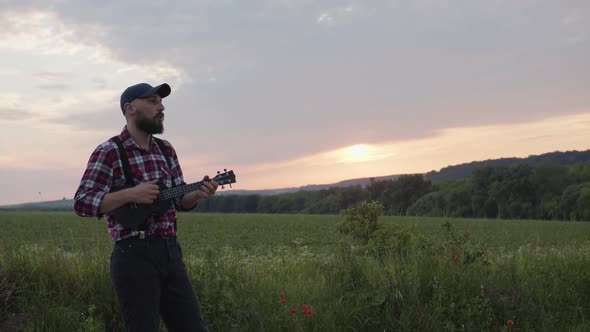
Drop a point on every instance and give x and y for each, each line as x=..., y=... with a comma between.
x=133, y=214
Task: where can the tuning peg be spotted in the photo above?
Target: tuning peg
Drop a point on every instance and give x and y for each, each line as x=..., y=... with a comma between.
x=230, y=185
x=218, y=172
x=225, y=169
x=222, y=186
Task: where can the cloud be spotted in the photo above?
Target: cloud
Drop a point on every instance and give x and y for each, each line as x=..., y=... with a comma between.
x=55, y=87
x=51, y=56
x=14, y=108
x=45, y=33
x=14, y=114
x=342, y=14
x=326, y=19
x=8, y=72
x=450, y=146
x=39, y=31
x=575, y=26
x=573, y=17
x=267, y=76
x=578, y=38
x=100, y=121
x=49, y=76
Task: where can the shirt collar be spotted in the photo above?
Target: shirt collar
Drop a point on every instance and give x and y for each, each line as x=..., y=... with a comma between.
x=128, y=141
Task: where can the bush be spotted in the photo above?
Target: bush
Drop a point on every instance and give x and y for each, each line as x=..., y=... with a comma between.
x=361, y=222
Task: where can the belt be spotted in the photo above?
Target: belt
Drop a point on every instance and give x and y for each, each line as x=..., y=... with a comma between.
x=143, y=235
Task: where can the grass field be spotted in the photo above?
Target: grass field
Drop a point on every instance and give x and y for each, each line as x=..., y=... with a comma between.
x=419, y=274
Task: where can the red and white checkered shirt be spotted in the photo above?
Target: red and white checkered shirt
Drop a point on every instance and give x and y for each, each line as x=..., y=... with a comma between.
x=105, y=171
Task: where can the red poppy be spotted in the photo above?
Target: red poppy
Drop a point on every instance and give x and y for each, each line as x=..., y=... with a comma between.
x=305, y=306
x=283, y=301
x=510, y=322
x=293, y=310
x=281, y=295
x=455, y=258
x=308, y=313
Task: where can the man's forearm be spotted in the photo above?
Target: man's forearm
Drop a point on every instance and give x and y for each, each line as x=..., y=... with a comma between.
x=114, y=200
x=189, y=201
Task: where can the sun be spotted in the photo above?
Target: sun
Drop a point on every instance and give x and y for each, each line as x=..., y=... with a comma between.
x=357, y=153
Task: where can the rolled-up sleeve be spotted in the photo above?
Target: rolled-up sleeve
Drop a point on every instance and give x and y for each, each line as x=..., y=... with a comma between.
x=96, y=182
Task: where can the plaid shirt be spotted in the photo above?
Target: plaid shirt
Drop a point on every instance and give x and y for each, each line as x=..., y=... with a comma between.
x=105, y=171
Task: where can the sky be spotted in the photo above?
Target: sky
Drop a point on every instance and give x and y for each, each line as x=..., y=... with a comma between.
x=291, y=92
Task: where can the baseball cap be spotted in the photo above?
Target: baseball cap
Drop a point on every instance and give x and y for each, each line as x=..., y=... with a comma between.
x=143, y=90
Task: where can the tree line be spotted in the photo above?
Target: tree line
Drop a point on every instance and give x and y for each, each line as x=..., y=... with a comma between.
x=521, y=191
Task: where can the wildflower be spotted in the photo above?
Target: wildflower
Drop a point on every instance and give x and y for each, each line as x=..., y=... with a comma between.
x=455, y=258
x=293, y=310
x=510, y=322
x=308, y=313
x=305, y=306
x=283, y=301
x=281, y=295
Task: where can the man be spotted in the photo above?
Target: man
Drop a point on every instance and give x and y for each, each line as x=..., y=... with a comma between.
x=147, y=271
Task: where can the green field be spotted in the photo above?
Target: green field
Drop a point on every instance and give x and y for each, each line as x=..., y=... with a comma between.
x=416, y=274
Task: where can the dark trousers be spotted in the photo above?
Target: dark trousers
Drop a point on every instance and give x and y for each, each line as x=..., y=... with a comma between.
x=150, y=280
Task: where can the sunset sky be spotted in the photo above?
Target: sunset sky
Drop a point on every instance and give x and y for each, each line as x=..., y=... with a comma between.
x=292, y=92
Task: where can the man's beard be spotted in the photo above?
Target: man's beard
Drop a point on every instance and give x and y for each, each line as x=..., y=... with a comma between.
x=150, y=126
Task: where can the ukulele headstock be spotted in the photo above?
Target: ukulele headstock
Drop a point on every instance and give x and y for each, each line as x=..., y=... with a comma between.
x=227, y=177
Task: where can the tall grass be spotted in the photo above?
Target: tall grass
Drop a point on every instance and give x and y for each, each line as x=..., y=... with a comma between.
x=412, y=275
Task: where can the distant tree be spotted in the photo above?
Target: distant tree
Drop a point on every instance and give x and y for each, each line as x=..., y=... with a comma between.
x=568, y=203
x=544, y=191
x=580, y=173
x=458, y=201
x=486, y=190
x=583, y=201
x=430, y=205
x=399, y=194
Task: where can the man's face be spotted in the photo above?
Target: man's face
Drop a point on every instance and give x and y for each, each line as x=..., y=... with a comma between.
x=149, y=114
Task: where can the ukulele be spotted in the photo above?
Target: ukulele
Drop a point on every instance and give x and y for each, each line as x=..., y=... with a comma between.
x=133, y=214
